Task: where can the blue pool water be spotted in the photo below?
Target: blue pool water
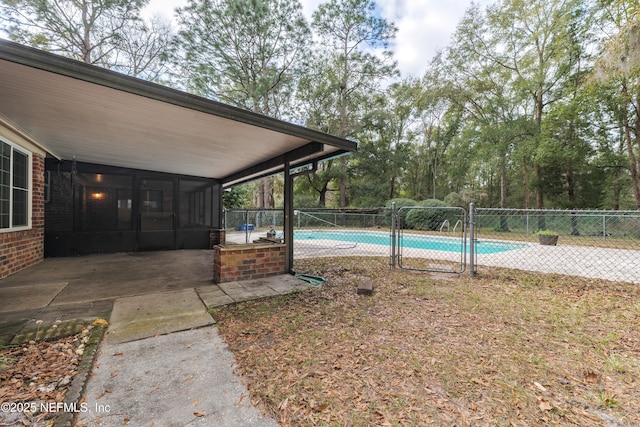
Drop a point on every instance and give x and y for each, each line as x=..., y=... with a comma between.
x=414, y=241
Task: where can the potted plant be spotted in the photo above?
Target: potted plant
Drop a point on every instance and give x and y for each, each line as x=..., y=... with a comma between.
x=548, y=237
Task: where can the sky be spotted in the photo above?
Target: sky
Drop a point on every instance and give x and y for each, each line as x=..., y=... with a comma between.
x=424, y=26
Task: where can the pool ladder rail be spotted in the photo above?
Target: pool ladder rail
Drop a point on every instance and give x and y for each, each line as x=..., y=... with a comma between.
x=445, y=224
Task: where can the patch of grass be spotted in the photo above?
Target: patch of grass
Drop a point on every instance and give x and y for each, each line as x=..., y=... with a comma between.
x=614, y=363
x=608, y=400
x=5, y=360
x=506, y=348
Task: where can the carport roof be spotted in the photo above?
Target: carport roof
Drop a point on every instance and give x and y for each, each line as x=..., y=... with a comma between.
x=90, y=114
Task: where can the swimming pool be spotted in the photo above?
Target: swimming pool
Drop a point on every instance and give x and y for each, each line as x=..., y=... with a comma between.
x=407, y=240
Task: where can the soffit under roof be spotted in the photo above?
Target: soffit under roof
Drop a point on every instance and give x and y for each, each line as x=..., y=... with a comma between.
x=81, y=112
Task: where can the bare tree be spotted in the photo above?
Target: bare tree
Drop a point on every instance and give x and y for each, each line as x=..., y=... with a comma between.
x=107, y=33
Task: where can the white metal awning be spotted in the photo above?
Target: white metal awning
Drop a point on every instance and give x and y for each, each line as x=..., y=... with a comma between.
x=82, y=112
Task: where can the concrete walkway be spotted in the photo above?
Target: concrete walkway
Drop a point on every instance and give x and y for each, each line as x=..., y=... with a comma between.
x=179, y=379
x=162, y=361
x=162, y=364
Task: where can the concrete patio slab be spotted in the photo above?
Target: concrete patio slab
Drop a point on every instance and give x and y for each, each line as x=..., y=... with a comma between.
x=120, y=275
x=29, y=296
x=287, y=283
x=230, y=292
x=263, y=291
x=144, y=316
x=180, y=379
x=237, y=291
x=110, y=276
x=213, y=296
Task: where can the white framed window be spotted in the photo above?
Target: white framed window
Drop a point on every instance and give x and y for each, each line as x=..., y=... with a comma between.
x=15, y=187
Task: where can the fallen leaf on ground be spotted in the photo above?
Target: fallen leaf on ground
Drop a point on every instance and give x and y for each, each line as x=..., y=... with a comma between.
x=423, y=351
x=544, y=404
x=591, y=377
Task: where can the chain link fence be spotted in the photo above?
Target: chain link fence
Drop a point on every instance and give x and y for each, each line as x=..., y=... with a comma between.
x=317, y=232
x=597, y=244
x=431, y=239
x=246, y=225
x=344, y=232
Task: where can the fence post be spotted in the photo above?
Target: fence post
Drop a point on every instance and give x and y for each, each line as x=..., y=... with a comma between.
x=246, y=226
x=472, y=237
x=393, y=235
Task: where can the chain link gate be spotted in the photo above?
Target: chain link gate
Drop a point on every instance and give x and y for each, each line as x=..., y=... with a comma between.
x=430, y=238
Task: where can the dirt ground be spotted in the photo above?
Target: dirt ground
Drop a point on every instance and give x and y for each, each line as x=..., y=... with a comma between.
x=503, y=348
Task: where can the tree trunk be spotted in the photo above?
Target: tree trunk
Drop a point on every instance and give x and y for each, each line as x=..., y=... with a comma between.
x=268, y=193
x=503, y=185
x=261, y=194
x=636, y=129
x=536, y=167
x=571, y=187
x=525, y=184
x=265, y=199
x=633, y=163
x=322, y=197
x=434, y=176
x=539, y=193
x=86, y=36
x=617, y=189
x=392, y=189
x=504, y=226
x=542, y=225
x=571, y=182
x=343, y=182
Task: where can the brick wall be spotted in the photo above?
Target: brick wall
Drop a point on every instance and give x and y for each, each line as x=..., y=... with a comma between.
x=245, y=262
x=217, y=237
x=21, y=249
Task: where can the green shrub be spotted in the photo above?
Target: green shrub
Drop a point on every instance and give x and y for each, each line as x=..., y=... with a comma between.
x=429, y=219
x=400, y=203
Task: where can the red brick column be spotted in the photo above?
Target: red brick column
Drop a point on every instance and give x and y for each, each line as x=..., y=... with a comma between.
x=217, y=237
x=244, y=262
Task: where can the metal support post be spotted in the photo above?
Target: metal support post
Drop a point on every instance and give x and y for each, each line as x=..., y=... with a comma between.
x=246, y=226
x=393, y=235
x=472, y=240
x=288, y=217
